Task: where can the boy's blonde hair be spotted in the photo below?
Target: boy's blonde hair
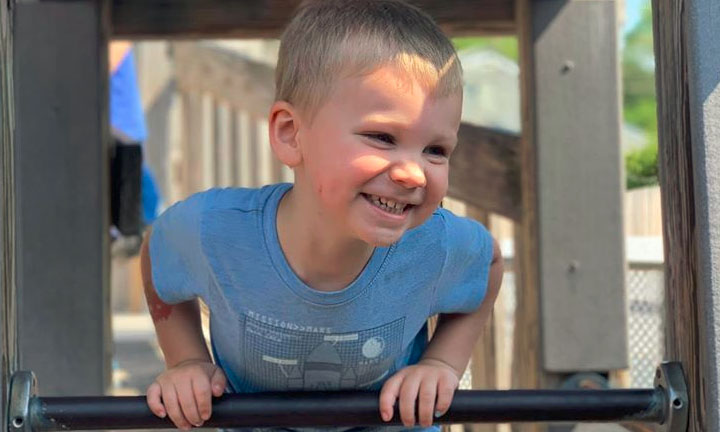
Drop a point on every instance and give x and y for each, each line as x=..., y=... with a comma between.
x=329, y=39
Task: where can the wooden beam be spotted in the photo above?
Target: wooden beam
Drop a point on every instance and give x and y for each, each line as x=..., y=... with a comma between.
x=687, y=58
x=485, y=170
x=582, y=269
x=226, y=75
x=198, y=19
x=8, y=315
x=571, y=310
x=527, y=371
x=60, y=68
x=484, y=361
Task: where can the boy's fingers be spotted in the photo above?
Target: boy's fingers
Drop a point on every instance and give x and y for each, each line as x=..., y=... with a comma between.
x=203, y=396
x=445, y=393
x=388, y=396
x=218, y=382
x=170, y=399
x=153, y=400
x=408, y=396
x=426, y=401
x=188, y=405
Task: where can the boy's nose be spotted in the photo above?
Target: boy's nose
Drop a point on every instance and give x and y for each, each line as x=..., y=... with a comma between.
x=408, y=174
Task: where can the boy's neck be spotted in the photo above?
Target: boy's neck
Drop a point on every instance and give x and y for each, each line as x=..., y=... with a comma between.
x=318, y=257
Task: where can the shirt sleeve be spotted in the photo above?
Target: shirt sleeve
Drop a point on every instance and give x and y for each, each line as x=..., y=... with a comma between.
x=180, y=269
x=469, y=250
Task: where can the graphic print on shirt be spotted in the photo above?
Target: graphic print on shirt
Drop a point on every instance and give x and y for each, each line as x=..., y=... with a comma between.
x=295, y=357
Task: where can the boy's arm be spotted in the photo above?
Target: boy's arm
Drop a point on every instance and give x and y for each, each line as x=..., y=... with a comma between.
x=434, y=379
x=185, y=387
x=456, y=334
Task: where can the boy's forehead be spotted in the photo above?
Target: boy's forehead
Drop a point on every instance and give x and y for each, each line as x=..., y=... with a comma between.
x=385, y=87
x=381, y=100
x=389, y=89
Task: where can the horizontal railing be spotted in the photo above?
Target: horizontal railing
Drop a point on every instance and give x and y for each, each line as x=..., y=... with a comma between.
x=666, y=404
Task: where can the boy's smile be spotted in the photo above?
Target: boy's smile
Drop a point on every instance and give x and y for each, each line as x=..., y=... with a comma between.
x=375, y=157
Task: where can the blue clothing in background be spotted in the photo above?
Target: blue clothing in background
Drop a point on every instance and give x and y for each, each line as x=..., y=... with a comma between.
x=271, y=331
x=126, y=113
x=128, y=125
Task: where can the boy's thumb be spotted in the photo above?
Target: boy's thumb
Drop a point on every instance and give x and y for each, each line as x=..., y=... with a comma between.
x=218, y=382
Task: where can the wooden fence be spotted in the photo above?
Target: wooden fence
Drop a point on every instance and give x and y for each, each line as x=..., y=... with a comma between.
x=225, y=100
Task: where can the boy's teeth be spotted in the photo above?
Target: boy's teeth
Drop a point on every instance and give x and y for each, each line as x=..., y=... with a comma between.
x=387, y=204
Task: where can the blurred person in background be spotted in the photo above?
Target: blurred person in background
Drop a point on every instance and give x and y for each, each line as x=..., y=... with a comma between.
x=134, y=196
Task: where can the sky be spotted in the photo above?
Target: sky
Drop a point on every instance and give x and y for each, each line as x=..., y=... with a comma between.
x=633, y=9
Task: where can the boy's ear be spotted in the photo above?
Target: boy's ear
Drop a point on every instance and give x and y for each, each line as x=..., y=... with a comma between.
x=283, y=127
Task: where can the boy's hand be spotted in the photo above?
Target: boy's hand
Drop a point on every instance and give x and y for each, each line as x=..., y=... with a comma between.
x=184, y=392
x=431, y=382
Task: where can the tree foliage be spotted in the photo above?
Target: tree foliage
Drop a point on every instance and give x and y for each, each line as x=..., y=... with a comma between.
x=506, y=46
x=641, y=167
x=639, y=102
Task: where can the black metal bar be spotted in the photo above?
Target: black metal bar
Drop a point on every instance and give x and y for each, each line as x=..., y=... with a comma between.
x=303, y=409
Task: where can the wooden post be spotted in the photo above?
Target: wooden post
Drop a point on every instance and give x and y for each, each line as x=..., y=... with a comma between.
x=192, y=141
x=147, y=19
x=527, y=371
x=570, y=312
x=8, y=333
x=687, y=59
x=60, y=67
x=484, y=357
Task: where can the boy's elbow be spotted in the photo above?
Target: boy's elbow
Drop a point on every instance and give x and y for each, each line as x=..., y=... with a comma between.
x=497, y=258
x=497, y=270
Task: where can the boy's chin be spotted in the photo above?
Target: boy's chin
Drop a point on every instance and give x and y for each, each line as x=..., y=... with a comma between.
x=383, y=239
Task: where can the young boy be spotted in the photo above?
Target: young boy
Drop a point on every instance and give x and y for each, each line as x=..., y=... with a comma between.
x=327, y=283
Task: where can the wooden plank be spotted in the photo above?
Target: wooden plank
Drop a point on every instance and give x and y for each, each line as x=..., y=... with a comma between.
x=484, y=359
x=244, y=141
x=207, y=144
x=582, y=270
x=145, y=19
x=62, y=134
x=264, y=161
x=527, y=371
x=226, y=157
x=192, y=137
x=687, y=56
x=8, y=316
x=234, y=144
x=175, y=157
x=556, y=74
x=226, y=75
x=484, y=170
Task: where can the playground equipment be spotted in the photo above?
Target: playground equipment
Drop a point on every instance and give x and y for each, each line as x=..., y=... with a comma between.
x=53, y=210
x=665, y=405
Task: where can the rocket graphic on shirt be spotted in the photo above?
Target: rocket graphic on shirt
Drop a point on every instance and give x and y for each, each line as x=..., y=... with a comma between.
x=293, y=358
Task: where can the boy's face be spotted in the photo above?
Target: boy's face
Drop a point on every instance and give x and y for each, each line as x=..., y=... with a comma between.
x=376, y=155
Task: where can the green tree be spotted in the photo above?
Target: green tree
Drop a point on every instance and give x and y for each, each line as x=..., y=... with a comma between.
x=639, y=102
x=506, y=46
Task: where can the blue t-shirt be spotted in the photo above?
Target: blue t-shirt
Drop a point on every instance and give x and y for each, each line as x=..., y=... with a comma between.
x=271, y=331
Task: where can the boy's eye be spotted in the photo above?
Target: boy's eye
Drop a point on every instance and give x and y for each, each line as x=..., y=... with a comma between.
x=436, y=151
x=386, y=138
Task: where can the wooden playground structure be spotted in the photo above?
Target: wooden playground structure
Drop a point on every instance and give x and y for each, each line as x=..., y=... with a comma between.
x=569, y=262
